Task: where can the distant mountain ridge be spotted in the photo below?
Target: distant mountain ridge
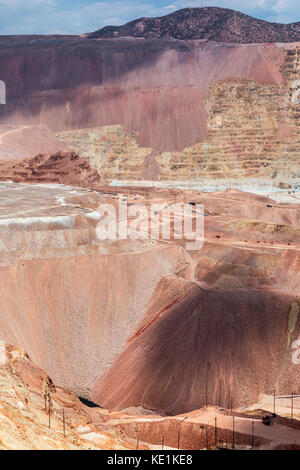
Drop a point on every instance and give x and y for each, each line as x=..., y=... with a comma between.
x=208, y=23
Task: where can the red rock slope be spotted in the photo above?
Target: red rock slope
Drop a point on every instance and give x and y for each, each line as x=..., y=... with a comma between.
x=25, y=422
x=233, y=338
x=154, y=88
x=64, y=168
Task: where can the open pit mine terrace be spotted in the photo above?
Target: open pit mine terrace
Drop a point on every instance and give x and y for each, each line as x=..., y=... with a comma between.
x=177, y=344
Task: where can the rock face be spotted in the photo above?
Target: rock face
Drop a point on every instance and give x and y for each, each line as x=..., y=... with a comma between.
x=145, y=323
x=210, y=23
x=222, y=329
x=192, y=334
x=68, y=299
x=76, y=426
x=85, y=308
x=19, y=142
x=160, y=108
x=73, y=301
x=251, y=126
x=25, y=423
x=63, y=168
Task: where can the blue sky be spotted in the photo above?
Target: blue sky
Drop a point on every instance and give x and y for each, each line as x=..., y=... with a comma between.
x=79, y=16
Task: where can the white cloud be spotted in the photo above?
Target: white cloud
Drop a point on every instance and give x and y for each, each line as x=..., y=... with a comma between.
x=170, y=7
